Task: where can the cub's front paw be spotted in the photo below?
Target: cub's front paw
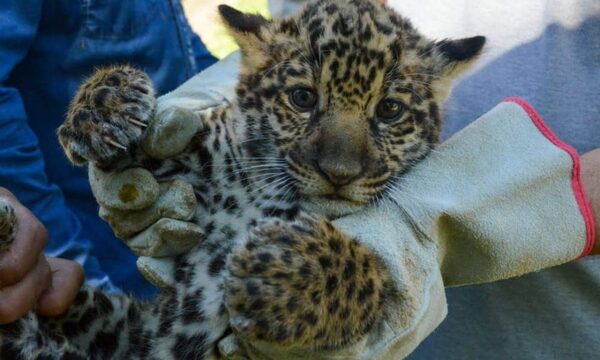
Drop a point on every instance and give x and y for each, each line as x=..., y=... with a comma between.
x=8, y=221
x=305, y=284
x=108, y=116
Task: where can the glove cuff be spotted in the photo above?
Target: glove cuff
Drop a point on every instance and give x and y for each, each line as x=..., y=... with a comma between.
x=576, y=182
x=502, y=198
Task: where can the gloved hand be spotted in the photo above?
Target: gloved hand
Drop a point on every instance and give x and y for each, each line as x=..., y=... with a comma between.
x=500, y=199
x=144, y=213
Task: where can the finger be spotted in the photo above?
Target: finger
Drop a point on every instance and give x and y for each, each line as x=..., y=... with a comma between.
x=16, y=300
x=230, y=348
x=160, y=272
x=131, y=189
x=590, y=175
x=167, y=237
x=67, y=278
x=171, y=132
x=176, y=201
x=30, y=239
x=127, y=223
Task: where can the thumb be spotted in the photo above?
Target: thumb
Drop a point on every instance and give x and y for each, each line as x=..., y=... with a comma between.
x=67, y=278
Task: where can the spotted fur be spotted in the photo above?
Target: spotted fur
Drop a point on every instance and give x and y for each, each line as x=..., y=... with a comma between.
x=265, y=270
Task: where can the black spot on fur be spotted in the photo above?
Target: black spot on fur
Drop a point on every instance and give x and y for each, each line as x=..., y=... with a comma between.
x=104, y=344
x=335, y=245
x=325, y=262
x=367, y=291
x=349, y=270
x=251, y=288
x=310, y=318
x=192, y=347
x=282, y=334
x=192, y=309
x=231, y=204
x=305, y=270
x=257, y=305
x=319, y=335
x=299, y=331
x=81, y=298
x=303, y=230
x=286, y=239
x=167, y=315
x=286, y=257
x=217, y=265
x=8, y=351
x=331, y=284
x=350, y=290
x=344, y=313
x=259, y=268
x=333, y=306
x=292, y=304
x=68, y=355
x=315, y=297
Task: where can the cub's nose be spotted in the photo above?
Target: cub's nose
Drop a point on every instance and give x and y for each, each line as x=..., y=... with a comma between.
x=339, y=173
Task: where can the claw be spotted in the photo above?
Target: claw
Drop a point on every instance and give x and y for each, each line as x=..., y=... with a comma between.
x=138, y=123
x=115, y=144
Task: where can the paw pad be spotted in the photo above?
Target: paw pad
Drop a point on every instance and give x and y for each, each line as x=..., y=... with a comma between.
x=108, y=116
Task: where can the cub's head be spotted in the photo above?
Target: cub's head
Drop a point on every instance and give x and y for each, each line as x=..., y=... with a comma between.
x=347, y=92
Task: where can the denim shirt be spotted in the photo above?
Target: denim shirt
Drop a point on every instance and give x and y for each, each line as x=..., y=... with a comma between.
x=47, y=47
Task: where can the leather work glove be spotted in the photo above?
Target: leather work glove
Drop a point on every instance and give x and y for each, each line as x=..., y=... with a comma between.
x=144, y=213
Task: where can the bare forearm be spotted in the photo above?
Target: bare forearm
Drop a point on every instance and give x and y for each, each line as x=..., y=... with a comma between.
x=590, y=173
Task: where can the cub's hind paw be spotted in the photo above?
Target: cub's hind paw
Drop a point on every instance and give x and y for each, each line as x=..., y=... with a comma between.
x=304, y=284
x=8, y=221
x=108, y=116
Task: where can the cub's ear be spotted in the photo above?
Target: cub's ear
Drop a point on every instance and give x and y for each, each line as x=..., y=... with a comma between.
x=245, y=28
x=455, y=56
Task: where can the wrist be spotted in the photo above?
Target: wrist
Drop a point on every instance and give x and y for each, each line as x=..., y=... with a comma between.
x=590, y=175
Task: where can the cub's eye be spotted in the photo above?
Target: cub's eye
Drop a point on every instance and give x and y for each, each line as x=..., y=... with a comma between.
x=390, y=110
x=303, y=99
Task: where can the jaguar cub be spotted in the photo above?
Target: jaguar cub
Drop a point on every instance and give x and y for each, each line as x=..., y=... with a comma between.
x=331, y=105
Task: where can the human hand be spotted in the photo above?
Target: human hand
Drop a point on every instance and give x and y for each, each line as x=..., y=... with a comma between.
x=29, y=280
x=152, y=218
x=590, y=175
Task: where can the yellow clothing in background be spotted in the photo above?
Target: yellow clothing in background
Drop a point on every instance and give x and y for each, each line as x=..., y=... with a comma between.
x=204, y=19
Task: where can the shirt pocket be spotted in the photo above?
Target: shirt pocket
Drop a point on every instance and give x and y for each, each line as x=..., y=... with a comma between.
x=117, y=19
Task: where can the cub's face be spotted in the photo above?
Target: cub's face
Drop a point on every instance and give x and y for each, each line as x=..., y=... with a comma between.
x=348, y=93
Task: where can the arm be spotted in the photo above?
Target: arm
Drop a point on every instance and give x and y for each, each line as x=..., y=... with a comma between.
x=21, y=162
x=590, y=174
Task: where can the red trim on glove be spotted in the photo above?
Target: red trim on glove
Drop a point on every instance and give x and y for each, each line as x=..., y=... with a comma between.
x=576, y=183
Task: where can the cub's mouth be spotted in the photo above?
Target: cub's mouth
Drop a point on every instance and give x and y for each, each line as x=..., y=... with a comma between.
x=337, y=197
x=331, y=205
